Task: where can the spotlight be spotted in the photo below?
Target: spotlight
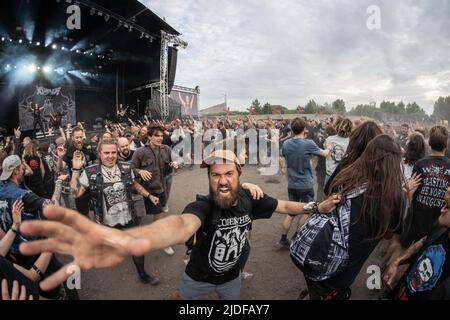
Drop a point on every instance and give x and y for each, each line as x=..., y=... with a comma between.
x=38, y=43
x=3, y=38
x=131, y=29
x=92, y=11
x=31, y=68
x=100, y=13
x=78, y=51
x=142, y=35
x=8, y=67
x=10, y=40
x=107, y=18
x=31, y=42
x=46, y=69
x=20, y=41
x=54, y=47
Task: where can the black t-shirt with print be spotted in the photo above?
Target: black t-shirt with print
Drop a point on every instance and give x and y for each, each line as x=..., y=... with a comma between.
x=428, y=199
x=428, y=277
x=360, y=245
x=88, y=152
x=35, y=182
x=215, y=258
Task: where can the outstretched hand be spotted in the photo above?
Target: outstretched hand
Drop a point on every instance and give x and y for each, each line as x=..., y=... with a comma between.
x=91, y=245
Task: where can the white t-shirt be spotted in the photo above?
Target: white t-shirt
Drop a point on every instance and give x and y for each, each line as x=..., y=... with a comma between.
x=338, y=146
x=407, y=170
x=115, y=205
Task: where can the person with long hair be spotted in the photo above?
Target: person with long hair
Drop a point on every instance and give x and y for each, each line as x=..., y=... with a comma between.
x=375, y=212
x=338, y=144
x=359, y=139
x=33, y=159
x=428, y=200
x=415, y=150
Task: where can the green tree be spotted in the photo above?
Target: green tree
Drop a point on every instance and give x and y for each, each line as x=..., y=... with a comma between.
x=311, y=107
x=442, y=108
x=256, y=106
x=267, y=109
x=339, y=106
x=400, y=108
x=414, y=108
x=368, y=110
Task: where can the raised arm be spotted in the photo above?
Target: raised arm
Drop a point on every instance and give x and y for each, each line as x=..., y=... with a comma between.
x=8, y=239
x=296, y=208
x=95, y=246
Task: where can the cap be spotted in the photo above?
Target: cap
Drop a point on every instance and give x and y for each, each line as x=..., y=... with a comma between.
x=8, y=166
x=225, y=156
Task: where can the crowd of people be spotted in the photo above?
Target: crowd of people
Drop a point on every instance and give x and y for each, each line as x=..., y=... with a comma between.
x=351, y=184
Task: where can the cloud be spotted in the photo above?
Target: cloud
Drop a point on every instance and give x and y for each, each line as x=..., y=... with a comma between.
x=287, y=52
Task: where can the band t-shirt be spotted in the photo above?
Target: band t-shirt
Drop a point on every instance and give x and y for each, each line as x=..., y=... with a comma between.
x=115, y=205
x=425, y=279
x=215, y=258
x=428, y=200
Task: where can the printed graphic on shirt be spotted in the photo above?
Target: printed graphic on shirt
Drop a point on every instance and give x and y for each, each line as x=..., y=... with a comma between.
x=427, y=270
x=336, y=151
x=115, y=198
x=34, y=164
x=227, y=243
x=434, y=186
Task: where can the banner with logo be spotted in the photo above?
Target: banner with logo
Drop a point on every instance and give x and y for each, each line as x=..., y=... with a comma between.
x=52, y=99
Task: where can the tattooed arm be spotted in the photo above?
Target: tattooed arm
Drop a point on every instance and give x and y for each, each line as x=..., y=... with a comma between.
x=77, y=188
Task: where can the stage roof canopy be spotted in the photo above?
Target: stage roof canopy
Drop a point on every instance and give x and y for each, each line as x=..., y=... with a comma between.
x=112, y=33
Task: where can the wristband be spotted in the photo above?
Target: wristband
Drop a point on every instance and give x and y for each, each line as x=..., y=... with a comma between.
x=16, y=231
x=38, y=271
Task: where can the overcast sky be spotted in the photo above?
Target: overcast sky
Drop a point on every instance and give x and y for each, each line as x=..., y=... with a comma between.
x=289, y=51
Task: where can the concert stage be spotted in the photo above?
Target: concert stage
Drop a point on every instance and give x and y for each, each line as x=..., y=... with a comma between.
x=82, y=58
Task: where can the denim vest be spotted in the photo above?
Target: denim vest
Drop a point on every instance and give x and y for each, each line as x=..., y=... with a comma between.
x=9, y=193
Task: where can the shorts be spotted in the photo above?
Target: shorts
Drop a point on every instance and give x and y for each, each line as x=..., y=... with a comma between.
x=304, y=196
x=193, y=290
x=151, y=208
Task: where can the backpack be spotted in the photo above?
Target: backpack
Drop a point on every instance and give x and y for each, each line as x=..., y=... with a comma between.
x=212, y=220
x=320, y=247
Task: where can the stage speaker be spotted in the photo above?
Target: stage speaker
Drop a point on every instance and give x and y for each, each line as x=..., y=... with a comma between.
x=173, y=57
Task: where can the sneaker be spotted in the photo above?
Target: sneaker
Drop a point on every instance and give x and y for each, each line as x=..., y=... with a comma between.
x=148, y=279
x=284, y=243
x=169, y=251
x=246, y=275
x=166, y=209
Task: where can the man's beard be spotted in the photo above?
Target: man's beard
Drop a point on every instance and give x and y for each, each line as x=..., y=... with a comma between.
x=79, y=145
x=224, y=203
x=125, y=153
